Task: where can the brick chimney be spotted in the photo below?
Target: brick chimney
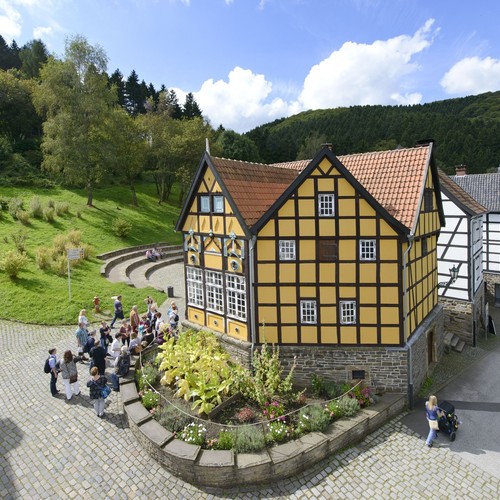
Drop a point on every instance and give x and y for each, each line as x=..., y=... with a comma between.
x=329, y=145
x=461, y=170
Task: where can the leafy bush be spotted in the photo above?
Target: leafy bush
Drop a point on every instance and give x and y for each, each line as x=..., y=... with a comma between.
x=147, y=376
x=248, y=438
x=23, y=217
x=74, y=237
x=362, y=395
x=61, y=208
x=225, y=440
x=88, y=251
x=51, y=204
x=15, y=206
x=273, y=410
x=313, y=418
x=59, y=244
x=122, y=227
x=171, y=418
x=348, y=406
x=317, y=385
x=19, y=239
x=59, y=265
x=193, y=434
x=150, y=399
x=43, y=258
x=13, y=263
x=198, y=367
x=36, y=208
x=267, y=382
x=325, y=388
x=48, y=214
x=4, y=203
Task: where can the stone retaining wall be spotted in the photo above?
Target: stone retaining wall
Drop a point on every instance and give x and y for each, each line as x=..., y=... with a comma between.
x=491, y=279
x=224, y=469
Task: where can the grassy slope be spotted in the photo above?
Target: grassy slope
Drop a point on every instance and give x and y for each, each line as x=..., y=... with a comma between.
x=42, y=296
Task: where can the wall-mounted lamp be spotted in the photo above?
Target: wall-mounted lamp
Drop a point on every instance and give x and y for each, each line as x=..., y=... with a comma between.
x=453, y=277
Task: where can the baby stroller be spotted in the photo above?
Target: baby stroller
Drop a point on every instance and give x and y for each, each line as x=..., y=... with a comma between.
x=449, y=422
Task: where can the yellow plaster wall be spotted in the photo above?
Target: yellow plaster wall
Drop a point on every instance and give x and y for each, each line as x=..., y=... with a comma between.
x=237, y=329
x=213, y=261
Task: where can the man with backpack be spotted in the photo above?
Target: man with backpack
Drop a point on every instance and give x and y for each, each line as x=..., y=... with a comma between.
x=122, y=367
x=51, y=366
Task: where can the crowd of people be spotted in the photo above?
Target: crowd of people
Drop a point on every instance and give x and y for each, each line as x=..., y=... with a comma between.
x=102, y=348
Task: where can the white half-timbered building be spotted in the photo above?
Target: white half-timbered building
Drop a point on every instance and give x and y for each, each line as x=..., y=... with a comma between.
x=460, y=255
x=485, y=189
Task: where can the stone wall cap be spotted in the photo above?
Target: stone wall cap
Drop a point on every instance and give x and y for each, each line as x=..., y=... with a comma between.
x=244, y=460
x=216, y=458
x=181, y=449
x=156, y=432
x=137, y=413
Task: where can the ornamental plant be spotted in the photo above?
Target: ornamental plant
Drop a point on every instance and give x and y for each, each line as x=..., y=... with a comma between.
x=193, y=434
x=363, y=396
x=277, y=431
x=245, y=415
x=313, y=418
x=198, y=368
x=274, y=410
x=150, y=399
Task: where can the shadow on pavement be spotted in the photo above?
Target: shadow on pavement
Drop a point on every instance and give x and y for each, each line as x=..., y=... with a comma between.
x=10, y=437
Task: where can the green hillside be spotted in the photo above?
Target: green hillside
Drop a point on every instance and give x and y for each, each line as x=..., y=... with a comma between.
x=41, y=295
x=465, y=131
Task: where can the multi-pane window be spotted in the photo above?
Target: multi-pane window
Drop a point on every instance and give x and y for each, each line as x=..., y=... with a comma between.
x=326, y=205
x=367, y=249
x=287, y=249
x=347, y=312
x=236, y=296
x=205, y=204
x=327, y=250
x=308, y=312
x=194, y=280
x=213, y=287
x=219, y=204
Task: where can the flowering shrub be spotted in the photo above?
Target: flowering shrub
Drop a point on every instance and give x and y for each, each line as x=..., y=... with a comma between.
x=150, y=399
x=278, y=431
x=245, y=415
x=363, y=396
x=313, y=418
x=333, y=409
x=273, y=410
x=225, y=441
x=193, y=434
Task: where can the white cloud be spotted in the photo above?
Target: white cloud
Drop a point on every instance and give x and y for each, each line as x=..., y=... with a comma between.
x=366, y=74
x=42, y=32
x=242, y=102
x=10, y=21
x=354, y=74
x=472, y=75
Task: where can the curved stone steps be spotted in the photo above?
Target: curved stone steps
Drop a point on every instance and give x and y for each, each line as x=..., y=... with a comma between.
x=137, y=273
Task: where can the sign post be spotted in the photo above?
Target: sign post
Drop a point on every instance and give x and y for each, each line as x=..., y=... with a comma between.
x=73, y=254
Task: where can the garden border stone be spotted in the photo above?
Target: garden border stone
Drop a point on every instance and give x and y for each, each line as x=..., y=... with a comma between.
x=225, y=469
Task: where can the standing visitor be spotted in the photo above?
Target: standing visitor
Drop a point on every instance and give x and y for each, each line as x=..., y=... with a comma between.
x=82, y=338
x=69, y=374
x=134, y=319
x=53, y=365
x=116, y=345
x=96, y=384
x=118, y=307
x=105, y=335
x=82, y=318
x=98, y=355
x=433, y=412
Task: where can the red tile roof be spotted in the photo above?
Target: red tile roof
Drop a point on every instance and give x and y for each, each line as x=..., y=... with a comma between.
x=394, y=178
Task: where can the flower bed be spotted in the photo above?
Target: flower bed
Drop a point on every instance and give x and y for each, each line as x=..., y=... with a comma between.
x=196, y=376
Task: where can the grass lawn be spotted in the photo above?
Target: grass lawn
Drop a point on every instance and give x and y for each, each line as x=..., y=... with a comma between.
x=41, y=297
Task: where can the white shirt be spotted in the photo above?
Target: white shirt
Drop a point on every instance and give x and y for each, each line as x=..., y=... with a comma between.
x=116, y=345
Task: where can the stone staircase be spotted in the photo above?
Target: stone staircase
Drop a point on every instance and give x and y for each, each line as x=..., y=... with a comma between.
x=130, y=266
x=452, y=341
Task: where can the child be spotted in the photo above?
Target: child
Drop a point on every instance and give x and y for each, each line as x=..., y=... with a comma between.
x=125, y=331
x=96, y=384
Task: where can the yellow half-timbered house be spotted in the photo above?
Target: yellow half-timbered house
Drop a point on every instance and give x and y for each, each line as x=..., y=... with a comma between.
x=333, y=259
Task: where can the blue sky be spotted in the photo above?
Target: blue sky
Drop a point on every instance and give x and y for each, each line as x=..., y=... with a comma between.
x=249, y=62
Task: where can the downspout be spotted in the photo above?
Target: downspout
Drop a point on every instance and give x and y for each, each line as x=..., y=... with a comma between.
x=411, y=238
x=251, y=276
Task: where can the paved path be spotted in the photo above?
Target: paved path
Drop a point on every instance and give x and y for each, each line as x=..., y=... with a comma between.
x=50, y=448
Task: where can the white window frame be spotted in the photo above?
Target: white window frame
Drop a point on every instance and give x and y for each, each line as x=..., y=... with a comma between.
x=367, y=249
x=326, y=204
x=287, y=249
x=308, y=312
x=205, y=203
x=236, y=297
x=218, y=201
x=348, y=312
x=194, y=280
x=214, y=291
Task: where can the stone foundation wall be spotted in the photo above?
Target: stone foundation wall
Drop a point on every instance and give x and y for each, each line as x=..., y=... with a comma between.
x=491, y=280
x=461, y=317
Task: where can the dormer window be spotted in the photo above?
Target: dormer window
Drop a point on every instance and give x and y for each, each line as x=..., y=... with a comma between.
x=219, y=204
x=205, y=204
